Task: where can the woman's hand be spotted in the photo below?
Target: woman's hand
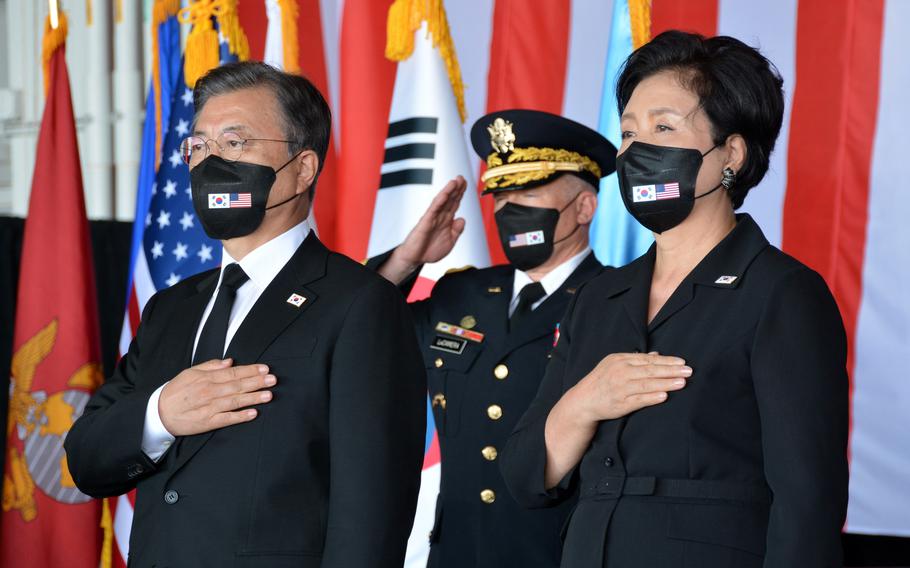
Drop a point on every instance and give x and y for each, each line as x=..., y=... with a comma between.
x=625, y=382
x=619, y=385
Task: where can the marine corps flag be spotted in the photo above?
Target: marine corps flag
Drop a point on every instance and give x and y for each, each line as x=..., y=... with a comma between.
x=46, y=521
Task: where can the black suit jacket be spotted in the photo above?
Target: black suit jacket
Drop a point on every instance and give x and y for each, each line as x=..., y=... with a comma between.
x=464, y=385
x=326, y=476
x=744, y=467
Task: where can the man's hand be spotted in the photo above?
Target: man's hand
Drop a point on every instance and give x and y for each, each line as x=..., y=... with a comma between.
x=213, y=395
x=432, y=238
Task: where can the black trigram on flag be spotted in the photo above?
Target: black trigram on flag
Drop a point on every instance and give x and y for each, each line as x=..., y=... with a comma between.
x=409, y=141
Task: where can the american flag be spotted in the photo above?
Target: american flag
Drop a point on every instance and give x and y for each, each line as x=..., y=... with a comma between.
x=526, y=239
x=667, y=190
x=240, y=200
x=174, y=243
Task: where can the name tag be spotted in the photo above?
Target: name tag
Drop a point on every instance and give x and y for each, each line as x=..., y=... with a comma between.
x=449, y=344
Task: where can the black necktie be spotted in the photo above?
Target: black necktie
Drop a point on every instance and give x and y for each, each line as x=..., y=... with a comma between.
x=211, y=340
x=528, y=296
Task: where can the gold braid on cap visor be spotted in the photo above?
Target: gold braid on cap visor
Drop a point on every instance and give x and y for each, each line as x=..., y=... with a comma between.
x=533, y=164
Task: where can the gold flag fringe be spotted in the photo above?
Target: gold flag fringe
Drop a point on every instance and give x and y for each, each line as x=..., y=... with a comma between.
x=202, y=48
x=289, y=37
x=640, y=22
x=161, y=11
x=54, y=39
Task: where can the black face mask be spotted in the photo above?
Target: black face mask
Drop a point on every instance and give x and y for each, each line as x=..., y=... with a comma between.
x=657, y=183
x=527, y=233
x=230, y=197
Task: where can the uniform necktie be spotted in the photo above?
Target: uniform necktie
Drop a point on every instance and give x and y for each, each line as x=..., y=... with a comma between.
x=211, y=340
x=528, y=296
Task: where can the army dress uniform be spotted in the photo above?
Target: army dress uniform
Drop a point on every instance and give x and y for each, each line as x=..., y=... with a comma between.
x=486, y=345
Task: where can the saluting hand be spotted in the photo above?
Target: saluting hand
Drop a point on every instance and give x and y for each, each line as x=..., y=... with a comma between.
x=433, y=237
x=213, y=395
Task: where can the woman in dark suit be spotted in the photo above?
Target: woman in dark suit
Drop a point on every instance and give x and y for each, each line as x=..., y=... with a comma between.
x=697, y=398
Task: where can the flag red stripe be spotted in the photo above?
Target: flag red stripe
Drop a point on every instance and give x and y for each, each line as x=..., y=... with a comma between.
x=313, y=66
x=835, y=107
x=528, y=59
x=254, y=22
x=367, y=80
x=689, y=15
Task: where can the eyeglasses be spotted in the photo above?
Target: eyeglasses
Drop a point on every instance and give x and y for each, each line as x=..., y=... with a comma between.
x=194, y=149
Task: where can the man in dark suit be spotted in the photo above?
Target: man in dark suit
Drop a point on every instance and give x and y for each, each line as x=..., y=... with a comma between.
x=270, y=413
x=486, y=334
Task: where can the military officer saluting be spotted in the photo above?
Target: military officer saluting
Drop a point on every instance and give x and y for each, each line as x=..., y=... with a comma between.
x=486, y=334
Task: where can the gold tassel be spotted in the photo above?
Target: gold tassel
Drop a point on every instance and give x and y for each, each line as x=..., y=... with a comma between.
x=405, y=18
x=107, y=525
x=54, y=39
x=640, y=22
x=229, y=22
x=88, y=13
x=161, y=11
x=201, y=53
x=202, y=49
x=118, y=11
x=289, y=37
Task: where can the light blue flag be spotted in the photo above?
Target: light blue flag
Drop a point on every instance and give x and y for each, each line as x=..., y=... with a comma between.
x=616, y=237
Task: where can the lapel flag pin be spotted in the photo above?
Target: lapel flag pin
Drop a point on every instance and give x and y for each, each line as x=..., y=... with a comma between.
x=296, y=300
x=725, y=280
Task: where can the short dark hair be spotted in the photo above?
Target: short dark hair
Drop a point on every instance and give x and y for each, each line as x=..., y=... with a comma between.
x=737, y=87
x=307, y=118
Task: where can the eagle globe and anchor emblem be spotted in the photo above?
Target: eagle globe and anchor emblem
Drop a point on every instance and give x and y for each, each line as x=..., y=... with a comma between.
x=41, y=421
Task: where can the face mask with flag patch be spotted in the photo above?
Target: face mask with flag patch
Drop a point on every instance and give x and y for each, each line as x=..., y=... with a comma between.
x=527, y=233
x=230, y=197
x=657, y=183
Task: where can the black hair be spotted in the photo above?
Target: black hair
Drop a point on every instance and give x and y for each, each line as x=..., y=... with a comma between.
x=306, y=115
x=737, y=87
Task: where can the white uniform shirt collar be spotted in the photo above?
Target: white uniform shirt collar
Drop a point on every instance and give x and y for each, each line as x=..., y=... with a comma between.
x=551, y=282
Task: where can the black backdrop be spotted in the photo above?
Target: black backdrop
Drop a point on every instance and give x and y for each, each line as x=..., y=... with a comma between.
x=111, y=250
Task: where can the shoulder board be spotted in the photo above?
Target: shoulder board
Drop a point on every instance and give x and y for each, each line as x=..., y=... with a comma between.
x=461, y=269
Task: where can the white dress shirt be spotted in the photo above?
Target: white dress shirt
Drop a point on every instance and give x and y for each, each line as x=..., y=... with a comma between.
x=261, y=265
x=551, y=282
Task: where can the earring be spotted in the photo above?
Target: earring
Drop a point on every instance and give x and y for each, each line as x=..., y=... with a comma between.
x=729, y=178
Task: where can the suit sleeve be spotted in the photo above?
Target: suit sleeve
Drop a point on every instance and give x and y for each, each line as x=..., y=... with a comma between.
x=799, y=371
x=524, y=459
x=377, y=428
x=104, y=446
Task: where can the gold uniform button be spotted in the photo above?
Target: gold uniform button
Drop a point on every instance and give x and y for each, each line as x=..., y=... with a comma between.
x=438, y=362
x=487, y=496
x=468, y=322
x=501, y=371
x=439, y=400
x=489, y=452
x=494, y=411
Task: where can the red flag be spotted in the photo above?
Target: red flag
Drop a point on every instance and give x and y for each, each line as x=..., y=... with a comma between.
x=46, y=521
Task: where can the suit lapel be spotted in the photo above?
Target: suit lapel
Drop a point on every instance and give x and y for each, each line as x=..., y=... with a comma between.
x=271, y=314
x=633, y=291
x=723, y=267
x=278, y=306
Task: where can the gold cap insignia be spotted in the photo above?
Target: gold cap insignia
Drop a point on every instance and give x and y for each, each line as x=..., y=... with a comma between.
x=501, y=136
